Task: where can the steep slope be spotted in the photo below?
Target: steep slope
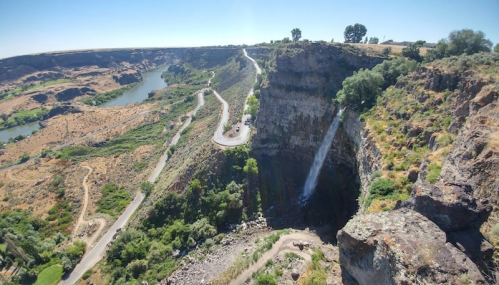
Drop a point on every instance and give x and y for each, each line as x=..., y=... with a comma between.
x=295, y=112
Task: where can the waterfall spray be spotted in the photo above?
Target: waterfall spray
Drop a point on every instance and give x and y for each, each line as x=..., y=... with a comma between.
x=311, y=182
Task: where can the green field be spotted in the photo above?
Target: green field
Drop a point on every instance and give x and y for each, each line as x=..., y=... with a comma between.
x=9, y=94
x=50, y=276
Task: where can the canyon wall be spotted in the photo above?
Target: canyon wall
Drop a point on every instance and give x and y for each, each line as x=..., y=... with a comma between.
x=295, y=112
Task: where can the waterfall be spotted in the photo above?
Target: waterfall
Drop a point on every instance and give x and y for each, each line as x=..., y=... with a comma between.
x=320, y=156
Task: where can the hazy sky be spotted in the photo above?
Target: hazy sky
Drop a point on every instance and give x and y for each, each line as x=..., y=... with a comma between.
x=50, y=25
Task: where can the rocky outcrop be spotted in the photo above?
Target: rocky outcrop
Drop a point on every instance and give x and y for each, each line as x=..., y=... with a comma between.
x=295, y=113
x=40, y=98
x=64, y=108
x=451, y=206
x=45, y=76
x=71, y=93
x=402, y=247
x=127, y=78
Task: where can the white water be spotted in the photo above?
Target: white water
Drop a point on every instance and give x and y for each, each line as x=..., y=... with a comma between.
x=311, y=182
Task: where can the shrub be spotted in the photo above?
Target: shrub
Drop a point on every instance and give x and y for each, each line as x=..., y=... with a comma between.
x=433, y=173
x=87, y=274
x=382, y=187
x=265, y=279
x=386, y=51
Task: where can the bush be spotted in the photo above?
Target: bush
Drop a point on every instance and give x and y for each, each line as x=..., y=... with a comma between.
x=382, y=187
x=265, y=279
x=433, y=173
x=361, y=89
x=386, y=51
x=87, y=274
x=24, y=157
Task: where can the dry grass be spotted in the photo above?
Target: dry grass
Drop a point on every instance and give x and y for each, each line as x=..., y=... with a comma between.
x=494, y=141
x=395, y=48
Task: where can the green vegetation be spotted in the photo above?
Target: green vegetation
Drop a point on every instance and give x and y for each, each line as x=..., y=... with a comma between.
x=8, y=94
x=355, y=33
x=60, y=217
x=102, y=98
x=140, y=165
x=362, y=89
x=296, y=34
x=50, y=275
x=316, y=273
x=184, y=73
x=19, y=118
x=265, y=279
x=464, y=41
x=114, y=200
x=253, y=104
x=433, y=173
x=412, y=51
x=87, y=274
x=31, y=246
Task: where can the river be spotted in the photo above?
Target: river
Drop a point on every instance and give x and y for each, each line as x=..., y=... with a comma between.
x=151, y=80
x=19, y=130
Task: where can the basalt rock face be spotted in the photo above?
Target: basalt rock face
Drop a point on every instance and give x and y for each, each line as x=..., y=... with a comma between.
x=127, y=78
x=402, y=247
x=16, y=67
x=71, y=93
x=64, y=108
x=295, y=113
x=457, y=206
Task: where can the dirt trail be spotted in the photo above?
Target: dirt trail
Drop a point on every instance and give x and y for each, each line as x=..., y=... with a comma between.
x=9, y=175
x=81, y=221
x=285, y=244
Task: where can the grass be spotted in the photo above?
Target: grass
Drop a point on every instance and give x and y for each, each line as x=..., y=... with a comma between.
x=102, y=98
x=23, y=117
x=50, y=276
x=114, y=200
x=10, y=94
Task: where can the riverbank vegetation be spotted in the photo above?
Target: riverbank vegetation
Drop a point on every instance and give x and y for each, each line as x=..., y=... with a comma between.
x=8, y=94
x=19, y=118
x=105, y=97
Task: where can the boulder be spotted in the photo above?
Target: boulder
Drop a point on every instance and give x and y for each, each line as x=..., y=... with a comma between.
x=451, y=206
x=401, y=247
x=295, y=274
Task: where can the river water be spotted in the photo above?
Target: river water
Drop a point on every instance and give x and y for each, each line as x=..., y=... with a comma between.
x=19, y=130
x=151, y=80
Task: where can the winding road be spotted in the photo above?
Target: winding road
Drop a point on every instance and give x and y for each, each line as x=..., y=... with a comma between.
x=244, y=132
x=97, y=253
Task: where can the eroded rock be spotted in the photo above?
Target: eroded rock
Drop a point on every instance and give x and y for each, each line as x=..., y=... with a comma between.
x=401, y=247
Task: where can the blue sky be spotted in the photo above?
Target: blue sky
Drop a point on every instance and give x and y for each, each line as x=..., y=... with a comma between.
x=50, y=25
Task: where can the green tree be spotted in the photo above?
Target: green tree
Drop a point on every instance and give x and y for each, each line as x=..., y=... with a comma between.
x=296, y=34
x=361, y=89
x=24, y=157
x=392, y=69
x=464, y=41
x=286, y=40
x=146, y=188
x=373, y=41
x=496, y=48
x=386, y=51
x=251, y=167
x=412, y=51
x=355, y=33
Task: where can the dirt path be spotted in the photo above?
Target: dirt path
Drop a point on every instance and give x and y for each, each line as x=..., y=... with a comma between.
x=81, y=221
x=285, y=244
x=9, y=175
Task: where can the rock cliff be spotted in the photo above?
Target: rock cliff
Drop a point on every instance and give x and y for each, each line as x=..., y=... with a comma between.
x=439, y=235
x=295, y=112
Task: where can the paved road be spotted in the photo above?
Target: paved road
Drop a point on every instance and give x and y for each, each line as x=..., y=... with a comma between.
x=97, y=253
x=244, y=132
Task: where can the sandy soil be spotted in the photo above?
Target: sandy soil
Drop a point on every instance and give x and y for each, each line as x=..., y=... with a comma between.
x=65, y=128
